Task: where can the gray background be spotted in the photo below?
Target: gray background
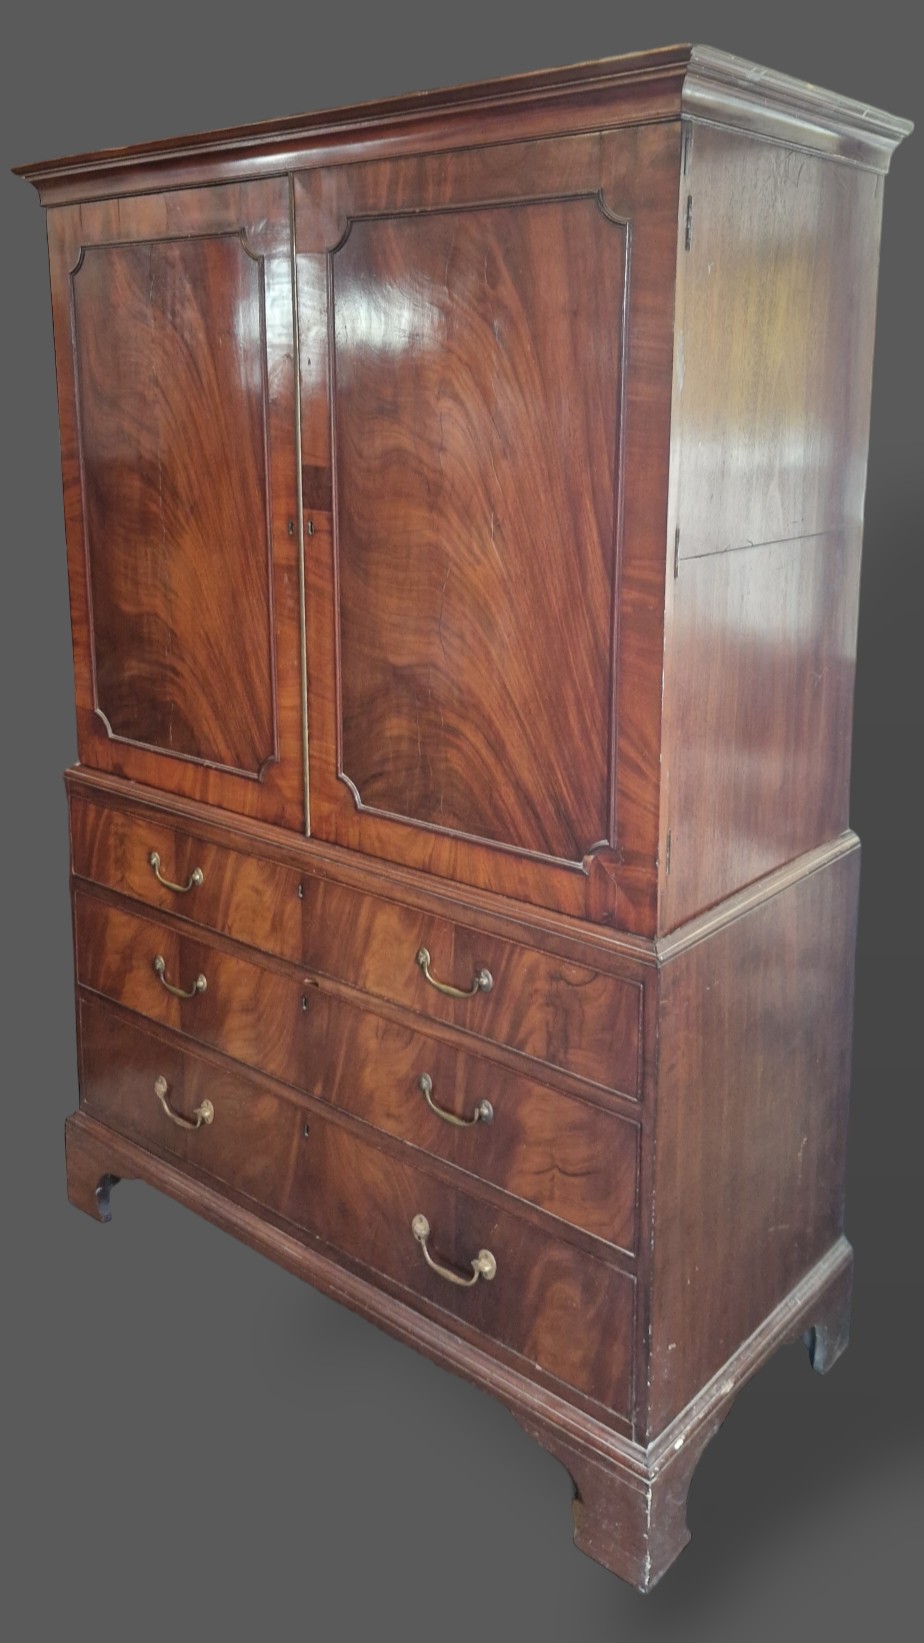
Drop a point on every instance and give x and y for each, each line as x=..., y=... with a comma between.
x=198, y=1445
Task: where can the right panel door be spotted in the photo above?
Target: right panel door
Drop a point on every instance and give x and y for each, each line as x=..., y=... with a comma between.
x=463, y=324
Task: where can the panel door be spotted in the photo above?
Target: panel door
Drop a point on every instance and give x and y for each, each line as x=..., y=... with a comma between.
x=176, y=371
x=463, y=325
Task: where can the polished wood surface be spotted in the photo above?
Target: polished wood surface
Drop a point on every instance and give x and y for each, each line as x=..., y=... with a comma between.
x=635, y=88
x=751, y=1124
x=168, y=343
x=567, y=1157
x=363, y=1203
x=464, y=505
x=758, y=712
x=253, y=1013
x=174, y=350
x=248, y=897
x=629, y=1501
x=557, y=1012
x=323, y=1178
x=768, y=475
x=419, y=625
x=772, y=428
x=251, y=1141
x=476, y=437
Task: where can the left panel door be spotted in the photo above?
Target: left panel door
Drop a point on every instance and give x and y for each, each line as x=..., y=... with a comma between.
x=176, y=383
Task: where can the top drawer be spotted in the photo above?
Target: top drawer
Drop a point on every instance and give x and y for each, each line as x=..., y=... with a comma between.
x=557, y=1012
x=242, y=895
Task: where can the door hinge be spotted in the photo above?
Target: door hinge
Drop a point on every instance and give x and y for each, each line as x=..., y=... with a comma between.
x=688, y=230
x=676, y=553
x=667, y=855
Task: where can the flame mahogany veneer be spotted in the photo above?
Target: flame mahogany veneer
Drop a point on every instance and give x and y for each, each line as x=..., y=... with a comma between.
x=463, y=502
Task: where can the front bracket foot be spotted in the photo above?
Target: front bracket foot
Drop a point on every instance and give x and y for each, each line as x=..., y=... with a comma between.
x=90, y=1176
x=632, y=1519
x=829, y=1333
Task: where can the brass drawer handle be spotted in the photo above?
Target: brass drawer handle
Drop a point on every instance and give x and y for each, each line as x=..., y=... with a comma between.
x=484, y=1112
x=202, y=1114
x=196, y=877
x=482, y=983
x=198, y=986
x=483, y=1266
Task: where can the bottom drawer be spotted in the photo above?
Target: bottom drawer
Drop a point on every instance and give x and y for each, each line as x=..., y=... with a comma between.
x=561, y=1310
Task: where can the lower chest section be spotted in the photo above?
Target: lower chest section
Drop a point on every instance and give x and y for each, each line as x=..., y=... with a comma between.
x=450, y=1162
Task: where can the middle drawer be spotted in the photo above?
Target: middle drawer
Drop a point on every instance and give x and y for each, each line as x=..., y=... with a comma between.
x=568, y=1157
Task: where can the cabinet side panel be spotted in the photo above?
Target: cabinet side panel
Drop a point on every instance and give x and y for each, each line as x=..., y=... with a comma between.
x=751, y=1124
x=775, y=342
x=773, y=364
x=763, y=648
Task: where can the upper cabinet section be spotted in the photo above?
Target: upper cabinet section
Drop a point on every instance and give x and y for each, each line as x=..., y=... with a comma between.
x=176, y=374
x=474, y=480
x=468, y=429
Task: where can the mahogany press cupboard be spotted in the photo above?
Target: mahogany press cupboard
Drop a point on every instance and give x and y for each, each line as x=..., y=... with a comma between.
x=463, y=502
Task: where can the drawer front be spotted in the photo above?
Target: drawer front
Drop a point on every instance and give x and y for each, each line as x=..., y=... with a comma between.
x=242, y=895
x=559, y=1013
x=569, y=1158
x=554, y=1305
x=567, y=1313
x=252, y=1013
x=252, y=1139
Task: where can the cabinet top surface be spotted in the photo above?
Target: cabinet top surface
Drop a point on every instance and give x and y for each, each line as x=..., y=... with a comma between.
x=695, y=81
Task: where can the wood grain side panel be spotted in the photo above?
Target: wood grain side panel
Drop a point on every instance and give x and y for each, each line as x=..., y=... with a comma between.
x=759, y=705
x=751, y=1124
x=776, y=312
x=174, y=350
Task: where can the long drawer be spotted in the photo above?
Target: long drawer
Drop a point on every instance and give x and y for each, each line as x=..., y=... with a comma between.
x=567, y=1156
x=560, y=1013
x=556, y=1307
